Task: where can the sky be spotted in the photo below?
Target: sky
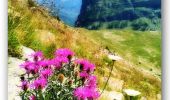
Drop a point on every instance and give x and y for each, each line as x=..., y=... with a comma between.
x=68, y=9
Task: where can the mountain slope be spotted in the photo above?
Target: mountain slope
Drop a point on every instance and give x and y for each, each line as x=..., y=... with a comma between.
x=33, y=27
x=138, y=14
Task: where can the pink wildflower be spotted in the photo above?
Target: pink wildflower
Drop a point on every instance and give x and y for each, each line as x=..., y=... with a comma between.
x=84, y=93
x=92, y=81
x=85, y=65
x=81, y=93
x=84, y=74
x=46, y=73
x=39, y=83
x=45, y=63
x=24, y=85
x=58, y=61
x=37, y=56
x=64, y=53
x=30, y=67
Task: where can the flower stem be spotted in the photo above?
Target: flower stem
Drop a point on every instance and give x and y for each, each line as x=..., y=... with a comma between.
x=107, y=79
x=23, y=96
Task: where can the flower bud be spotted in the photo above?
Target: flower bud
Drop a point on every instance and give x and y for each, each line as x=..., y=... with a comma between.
x=81, y=67
x=61, y=78
x=77, y=73
x=73, y=66
x=22, y=78
x=24, y=85
x=36, y=58
x=69, y=57
x=83, y=79
x=70, y=82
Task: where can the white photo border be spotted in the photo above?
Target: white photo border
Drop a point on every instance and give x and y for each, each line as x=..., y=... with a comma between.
x=165, y=50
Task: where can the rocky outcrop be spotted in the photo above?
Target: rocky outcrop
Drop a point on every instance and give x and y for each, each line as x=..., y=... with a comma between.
x=131, y=94
x=112, y=95
x=14, y=72
x=118, y=13
x=13, y=78
x=26, y=53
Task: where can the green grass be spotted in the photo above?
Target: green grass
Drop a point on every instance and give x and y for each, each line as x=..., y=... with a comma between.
x=13, y=41
x=141, y=45
x=140, y=49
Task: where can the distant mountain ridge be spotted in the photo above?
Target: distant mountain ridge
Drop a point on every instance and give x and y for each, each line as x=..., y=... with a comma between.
x=138, y=14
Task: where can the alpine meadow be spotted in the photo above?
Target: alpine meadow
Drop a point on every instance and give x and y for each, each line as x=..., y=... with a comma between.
x=84, y=50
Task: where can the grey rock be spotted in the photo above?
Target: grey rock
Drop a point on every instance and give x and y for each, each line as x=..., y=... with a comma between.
x=131, y=94
x=26, y=52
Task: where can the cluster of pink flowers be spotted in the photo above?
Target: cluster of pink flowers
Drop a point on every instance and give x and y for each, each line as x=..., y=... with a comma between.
x=89, y=88
x=36, y=67
x=42, y=69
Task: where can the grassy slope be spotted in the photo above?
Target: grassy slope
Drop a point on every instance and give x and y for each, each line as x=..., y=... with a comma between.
x=141, y=54
x=34, y=28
